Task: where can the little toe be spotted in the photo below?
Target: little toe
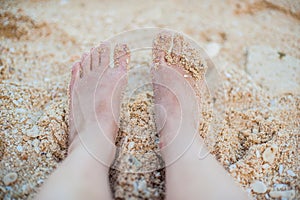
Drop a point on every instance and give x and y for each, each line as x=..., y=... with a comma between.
x=74, y=75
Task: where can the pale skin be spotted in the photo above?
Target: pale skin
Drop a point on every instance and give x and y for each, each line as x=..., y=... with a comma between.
x=84, y=173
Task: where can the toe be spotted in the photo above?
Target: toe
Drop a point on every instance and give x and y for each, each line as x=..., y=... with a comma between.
x=74, y=77
x=161, y=45
x=119, y=77
x=95, y=58
x=86, y=63
x=121, y=56
x=104, y=51
x=177, y=44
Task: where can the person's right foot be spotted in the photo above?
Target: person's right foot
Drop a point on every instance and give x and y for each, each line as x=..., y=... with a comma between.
x=178, y=81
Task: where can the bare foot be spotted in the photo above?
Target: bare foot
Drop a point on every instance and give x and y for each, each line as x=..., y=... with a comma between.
x=95, y=91
x=178, y=81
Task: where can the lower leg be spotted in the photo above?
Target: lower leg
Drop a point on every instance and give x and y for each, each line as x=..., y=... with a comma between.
x=80, y=176
x=84, y=173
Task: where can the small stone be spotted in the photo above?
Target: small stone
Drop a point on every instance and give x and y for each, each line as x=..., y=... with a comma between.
x=33, y=132
x=254, y=130
x=266, y=166
x=19, y=148
x=20, y=110
x=2, y=189
x=290, y=173
x=213, y=49
x=142, y=186
x=258, y=187
x=131, y=145
x=10, y=178
x=289, y=194
x=16, y=102
x=26, y=189
x=269, y=154
x=232, y=167
x=14, y=131
x=280, y=169
x=257, y=154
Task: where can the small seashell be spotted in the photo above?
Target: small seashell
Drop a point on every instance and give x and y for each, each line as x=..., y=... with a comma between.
x=258, y=187
x=10, y=178
x=269, y=154
x=289, y=194
x=213, y=49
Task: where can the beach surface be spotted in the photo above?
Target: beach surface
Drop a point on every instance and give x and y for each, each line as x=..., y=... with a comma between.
x=253, y=130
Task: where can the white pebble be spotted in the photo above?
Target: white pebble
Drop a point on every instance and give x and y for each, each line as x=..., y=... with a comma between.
x=19, y=148
x=257, y=154
x=289, y=194
x=16, y=102
x=266, y=166
x=14, y=131
x=10, y=178
x=20, y=110
x=290, y=173
x=280, y=170
x=267, y=196
x=142, y=185
x=33, y=132
x=232, y=167
x=258, y=187
x=213, y=49
x=255, y=130
x=269, y=154
x=131, y=145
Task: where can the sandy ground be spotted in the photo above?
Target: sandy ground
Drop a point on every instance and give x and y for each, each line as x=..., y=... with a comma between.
x=254, y=46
